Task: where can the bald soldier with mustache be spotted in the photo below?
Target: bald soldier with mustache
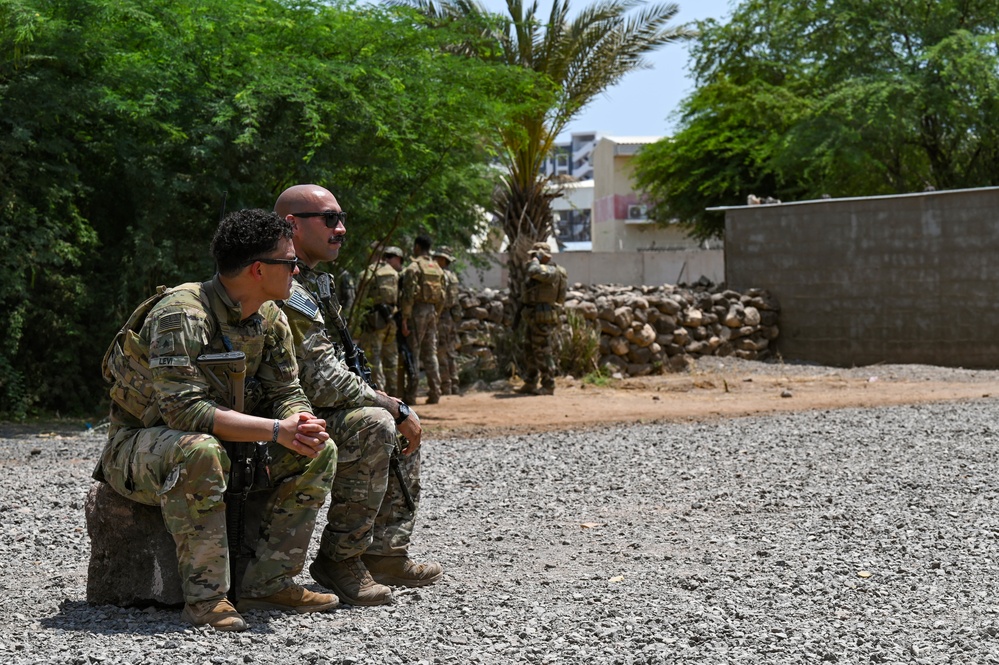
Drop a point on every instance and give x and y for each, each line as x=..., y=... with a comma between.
x=364, y=548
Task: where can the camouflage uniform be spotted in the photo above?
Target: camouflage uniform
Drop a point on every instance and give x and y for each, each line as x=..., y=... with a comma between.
x=367, y=513
x=447, y=333
x=421, y=300
x=160, y=452
x=545, y=283
x=380, y=294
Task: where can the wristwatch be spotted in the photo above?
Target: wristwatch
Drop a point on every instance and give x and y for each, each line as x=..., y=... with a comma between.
x=403, y=413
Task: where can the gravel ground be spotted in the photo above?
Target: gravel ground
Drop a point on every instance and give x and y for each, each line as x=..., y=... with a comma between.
x=850, y=536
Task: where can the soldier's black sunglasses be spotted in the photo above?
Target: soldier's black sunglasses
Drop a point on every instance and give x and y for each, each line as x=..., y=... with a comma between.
x=329, y=217
x=289, y=263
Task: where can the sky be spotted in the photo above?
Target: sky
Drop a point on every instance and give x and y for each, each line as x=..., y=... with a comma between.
x=640, y=105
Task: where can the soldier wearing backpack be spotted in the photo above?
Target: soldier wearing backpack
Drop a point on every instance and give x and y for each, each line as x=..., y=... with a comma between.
x=421, y=300
x=380, y=297
x=543, y=294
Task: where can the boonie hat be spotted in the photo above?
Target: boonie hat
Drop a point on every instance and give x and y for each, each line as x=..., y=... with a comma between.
x=392, y=250
x=445, y=252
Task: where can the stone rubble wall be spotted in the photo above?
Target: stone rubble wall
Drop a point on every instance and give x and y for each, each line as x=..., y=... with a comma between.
x=643, y=329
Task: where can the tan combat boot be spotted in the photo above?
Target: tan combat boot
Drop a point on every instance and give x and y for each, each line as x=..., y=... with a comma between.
x=292, y=598
x=402, y=571
x=219, y=614
x=351, y=581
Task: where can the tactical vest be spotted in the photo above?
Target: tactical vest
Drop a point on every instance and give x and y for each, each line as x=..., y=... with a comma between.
x=126, y=361
x=548, y=293
x=431, y=285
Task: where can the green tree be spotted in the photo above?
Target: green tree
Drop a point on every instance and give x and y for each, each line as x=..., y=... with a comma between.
x=847, y=98
x=123, y=122
x=575, y=58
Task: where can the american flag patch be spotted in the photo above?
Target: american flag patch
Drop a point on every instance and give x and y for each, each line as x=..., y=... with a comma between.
x=169, y=361
x=301, y=303
x=170, y=322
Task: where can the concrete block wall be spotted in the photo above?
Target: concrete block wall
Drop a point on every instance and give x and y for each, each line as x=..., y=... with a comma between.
x=901, y=279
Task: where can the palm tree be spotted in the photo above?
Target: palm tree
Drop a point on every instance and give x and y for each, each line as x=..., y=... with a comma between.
x=579, y=58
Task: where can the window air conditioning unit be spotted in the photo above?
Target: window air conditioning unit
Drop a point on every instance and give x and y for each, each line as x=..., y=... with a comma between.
x=637, y=212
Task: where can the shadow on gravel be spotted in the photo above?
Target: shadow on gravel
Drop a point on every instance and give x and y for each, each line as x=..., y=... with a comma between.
x=81, y=616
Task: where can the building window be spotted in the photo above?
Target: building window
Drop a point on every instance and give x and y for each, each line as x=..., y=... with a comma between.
x=572, y=225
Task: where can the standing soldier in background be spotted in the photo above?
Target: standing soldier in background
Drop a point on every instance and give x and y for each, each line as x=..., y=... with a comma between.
x=379, y=297
x=543, y=293
x=421, y=300
x=447, y=326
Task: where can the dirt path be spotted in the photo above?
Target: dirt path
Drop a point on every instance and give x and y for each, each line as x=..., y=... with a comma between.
x=748, y=389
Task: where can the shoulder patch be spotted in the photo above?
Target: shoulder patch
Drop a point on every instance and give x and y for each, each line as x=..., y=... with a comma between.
x=170, y=322
x=299, y=302
x=170, y=361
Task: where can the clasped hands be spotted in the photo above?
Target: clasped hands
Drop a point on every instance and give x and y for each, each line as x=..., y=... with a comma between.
x=304, y=434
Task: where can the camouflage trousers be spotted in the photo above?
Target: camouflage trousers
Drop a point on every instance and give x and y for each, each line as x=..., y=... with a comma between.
x=382, y=354
x=447, y=353
x=185, y=474
x=423, y=341
x=367, y=511
x=538, y=354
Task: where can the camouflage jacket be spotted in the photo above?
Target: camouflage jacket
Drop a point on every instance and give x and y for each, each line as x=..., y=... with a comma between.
x=154, y=371
x=325, y=377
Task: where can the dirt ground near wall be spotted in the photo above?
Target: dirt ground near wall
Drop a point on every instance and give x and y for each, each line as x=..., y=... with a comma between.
x=711, y=389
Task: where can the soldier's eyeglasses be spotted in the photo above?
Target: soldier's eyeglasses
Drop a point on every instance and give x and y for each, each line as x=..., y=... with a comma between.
x=329, y=217
x=290, y=263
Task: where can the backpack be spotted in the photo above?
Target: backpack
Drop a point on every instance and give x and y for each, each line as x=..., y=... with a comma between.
x=432, y=282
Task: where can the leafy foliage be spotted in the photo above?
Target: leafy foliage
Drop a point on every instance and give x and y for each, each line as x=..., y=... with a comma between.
x=123, y=122
x=847, y=98
x=577, y=344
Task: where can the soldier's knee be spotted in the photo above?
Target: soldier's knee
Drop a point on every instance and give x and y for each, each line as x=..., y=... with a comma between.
x=204, y=455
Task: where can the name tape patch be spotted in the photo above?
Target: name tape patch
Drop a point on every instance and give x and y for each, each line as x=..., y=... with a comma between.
x=170, y=361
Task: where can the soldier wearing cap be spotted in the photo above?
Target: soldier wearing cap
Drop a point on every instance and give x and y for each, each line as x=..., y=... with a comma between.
x=380, y=297
x=544, y=291
x=447, y=324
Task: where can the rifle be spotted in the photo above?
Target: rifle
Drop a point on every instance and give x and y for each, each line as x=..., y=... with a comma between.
x=411, y=378
x=354, y=358
x=249, y=462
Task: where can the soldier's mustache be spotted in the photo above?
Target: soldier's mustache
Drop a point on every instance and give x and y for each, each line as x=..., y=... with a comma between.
x=342, y=238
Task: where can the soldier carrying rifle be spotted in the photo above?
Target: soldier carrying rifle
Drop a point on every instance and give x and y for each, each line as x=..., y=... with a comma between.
x=364, y=549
